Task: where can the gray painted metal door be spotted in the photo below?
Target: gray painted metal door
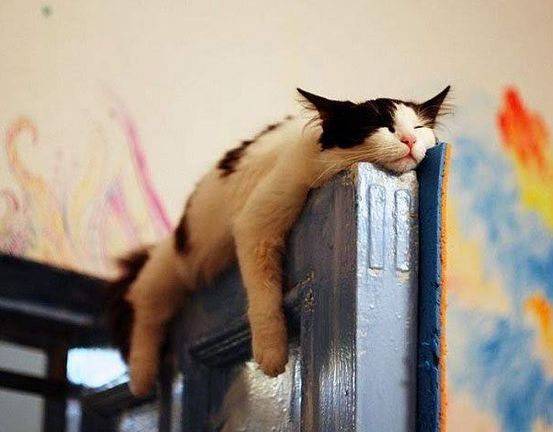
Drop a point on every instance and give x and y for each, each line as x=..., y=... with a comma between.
x=351, y=302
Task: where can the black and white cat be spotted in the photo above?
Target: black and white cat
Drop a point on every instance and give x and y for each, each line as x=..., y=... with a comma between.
x=244, y=208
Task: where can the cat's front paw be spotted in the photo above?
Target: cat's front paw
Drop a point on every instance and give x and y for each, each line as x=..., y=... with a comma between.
x=271, y=359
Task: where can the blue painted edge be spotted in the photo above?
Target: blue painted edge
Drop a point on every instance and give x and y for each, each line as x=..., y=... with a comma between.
x=431, y=174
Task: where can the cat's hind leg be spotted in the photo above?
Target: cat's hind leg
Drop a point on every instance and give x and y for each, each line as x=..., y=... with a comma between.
x=147, y=338
x=154, y=296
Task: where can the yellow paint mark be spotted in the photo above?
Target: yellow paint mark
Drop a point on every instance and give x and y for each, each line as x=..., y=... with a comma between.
x=465, y=414
x=467, y=281
x=541, y=426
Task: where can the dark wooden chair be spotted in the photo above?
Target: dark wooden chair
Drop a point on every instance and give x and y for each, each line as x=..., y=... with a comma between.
x=52, y=310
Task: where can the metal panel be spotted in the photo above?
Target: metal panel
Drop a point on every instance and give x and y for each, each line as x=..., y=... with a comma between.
x=255, y=403
x=323, y=244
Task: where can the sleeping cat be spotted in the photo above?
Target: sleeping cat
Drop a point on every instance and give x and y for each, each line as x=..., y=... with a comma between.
x=243, y=209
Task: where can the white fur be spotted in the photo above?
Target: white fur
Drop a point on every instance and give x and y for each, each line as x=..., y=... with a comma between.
x=248, y=214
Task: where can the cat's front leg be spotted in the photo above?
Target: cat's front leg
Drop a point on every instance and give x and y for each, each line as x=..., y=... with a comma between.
x=260, y=264
x=260, y=233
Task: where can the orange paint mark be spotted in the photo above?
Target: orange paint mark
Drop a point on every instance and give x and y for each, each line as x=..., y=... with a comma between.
x=525, y=136
x=443, y=293
x=540, y=310
x=523, y=132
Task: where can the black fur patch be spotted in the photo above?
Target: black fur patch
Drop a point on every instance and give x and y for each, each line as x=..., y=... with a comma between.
x=181, y=236
x=434, y=107
x=352, y=123
x=231, y=158
x=120, y=314
x=346, y=124
x=182, y=241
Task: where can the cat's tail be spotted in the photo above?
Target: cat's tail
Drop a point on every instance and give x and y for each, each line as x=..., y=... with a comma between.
x=120, y=313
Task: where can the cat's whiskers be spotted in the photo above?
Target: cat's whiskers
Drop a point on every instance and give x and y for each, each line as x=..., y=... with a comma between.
x=335, y=166
x=380, y=155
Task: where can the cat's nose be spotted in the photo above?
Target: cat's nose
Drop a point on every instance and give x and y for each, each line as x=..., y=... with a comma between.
x=409, y=140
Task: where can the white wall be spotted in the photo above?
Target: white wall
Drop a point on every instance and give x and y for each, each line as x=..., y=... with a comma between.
x=199, y=75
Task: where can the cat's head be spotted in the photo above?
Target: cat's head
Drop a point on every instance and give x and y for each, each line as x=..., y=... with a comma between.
x=390, y=132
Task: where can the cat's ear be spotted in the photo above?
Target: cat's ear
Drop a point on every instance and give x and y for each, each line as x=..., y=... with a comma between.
x=324, y=106
x=436, y=106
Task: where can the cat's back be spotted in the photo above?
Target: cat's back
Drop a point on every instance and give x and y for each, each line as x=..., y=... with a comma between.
x=224, y=190
x=243, y=167
x=259, y=154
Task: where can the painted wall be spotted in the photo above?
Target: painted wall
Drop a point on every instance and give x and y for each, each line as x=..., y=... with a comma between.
x=110, y=111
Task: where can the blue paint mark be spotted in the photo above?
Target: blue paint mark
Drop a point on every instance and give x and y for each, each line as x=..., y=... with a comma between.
x=502, y=374
x=519, y=244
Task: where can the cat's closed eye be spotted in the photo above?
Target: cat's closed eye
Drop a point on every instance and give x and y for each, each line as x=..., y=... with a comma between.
x=420, y=126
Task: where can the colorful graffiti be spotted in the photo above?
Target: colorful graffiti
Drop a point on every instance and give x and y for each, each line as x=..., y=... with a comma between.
x=103, y=210
x=500, y=274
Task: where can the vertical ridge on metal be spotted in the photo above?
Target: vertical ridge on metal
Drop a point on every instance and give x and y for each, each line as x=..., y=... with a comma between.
x=358, y=236
x=386, y=300
x=432, y=176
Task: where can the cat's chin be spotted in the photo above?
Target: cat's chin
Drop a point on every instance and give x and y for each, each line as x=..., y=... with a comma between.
x=402, y=165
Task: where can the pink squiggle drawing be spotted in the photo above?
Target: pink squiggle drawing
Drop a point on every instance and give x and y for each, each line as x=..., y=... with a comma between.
x=159, y=214
x=12, y=204
x=14, y=227
x=118, y=205
x=115, y=216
